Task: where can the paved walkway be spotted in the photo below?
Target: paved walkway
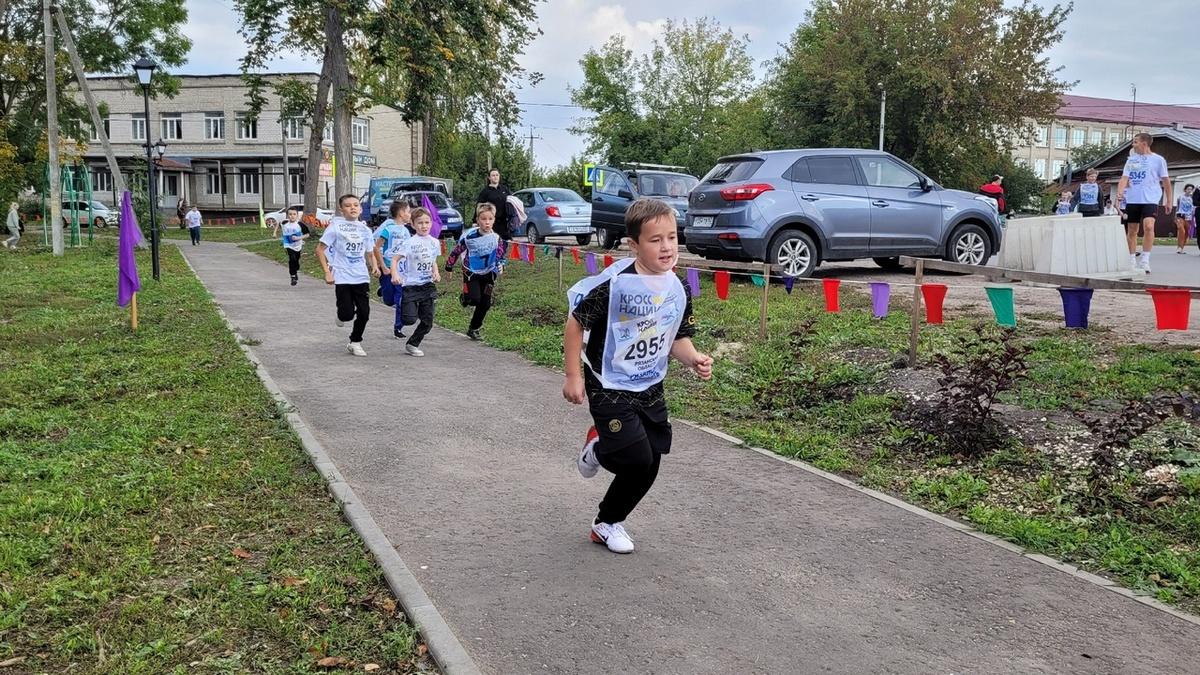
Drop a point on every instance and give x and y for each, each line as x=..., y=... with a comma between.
x=745, y=564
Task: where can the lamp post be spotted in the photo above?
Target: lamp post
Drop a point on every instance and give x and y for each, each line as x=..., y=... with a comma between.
x=145, y=68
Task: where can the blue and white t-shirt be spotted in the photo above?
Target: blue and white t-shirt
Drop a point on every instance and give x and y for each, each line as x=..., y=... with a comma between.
x=1186, y=206
x=1089, y=194
x=1145, y=174
x=393, y=235
x=419, y=256
x=292, y=236
x=348, y=239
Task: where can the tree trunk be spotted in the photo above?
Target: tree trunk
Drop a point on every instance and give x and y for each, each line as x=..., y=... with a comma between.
x=339, y=71
x=316, y=134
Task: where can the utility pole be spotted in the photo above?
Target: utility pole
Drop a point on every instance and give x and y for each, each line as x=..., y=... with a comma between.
x=1133, y=117
x=53, y=175
x=532, y=138
x=882, y=114
x=287, y=192
x=97, y=122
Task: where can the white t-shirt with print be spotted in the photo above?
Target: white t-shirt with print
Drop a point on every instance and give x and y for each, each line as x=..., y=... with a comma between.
x=349, y=241
x=420, y=254
x=1145, y=174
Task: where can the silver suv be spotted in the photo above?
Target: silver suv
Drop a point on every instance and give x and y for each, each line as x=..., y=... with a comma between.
x=798, y=208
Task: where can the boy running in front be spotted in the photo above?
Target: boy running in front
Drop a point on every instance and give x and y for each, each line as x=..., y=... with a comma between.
x=635, y=316
x=418, y=254
x=482, y=264
x=348, y=272
x=390, y=236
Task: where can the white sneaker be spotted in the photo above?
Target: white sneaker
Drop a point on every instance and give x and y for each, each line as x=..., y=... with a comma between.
x=587, y=462
x=356, y=349
x=1180, y=251
x=339, y=322
x=413, y=351
x=612, y=536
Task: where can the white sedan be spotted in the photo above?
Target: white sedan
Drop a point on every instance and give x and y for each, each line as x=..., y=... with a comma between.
x=276, y=217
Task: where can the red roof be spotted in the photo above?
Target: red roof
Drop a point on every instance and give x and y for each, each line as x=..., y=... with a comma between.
x=1122, y=112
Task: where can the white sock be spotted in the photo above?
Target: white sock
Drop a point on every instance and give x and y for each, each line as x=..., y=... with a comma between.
x=1146, y=256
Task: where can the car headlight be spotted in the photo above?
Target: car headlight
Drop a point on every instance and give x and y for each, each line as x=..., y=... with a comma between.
x=990, y=202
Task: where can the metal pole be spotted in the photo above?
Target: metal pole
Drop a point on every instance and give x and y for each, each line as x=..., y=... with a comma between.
x=53, y=177
x=916, y=314
x=150, y=188
x=882, y=116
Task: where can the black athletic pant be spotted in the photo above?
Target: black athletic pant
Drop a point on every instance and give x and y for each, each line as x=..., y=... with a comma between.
x=293, y=261
x=633, y=439
x=479, y=289
x=418, y=306
x=195, y=232
x=354, y=302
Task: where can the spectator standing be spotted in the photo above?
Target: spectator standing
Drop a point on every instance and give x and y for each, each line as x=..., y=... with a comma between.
x=14, y=226
x=995, y=190
x=496, y=194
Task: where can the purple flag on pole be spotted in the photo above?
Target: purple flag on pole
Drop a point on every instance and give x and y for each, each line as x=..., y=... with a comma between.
x=128, y=237
x=788, y=282
x=693, y=277
x=880, y=293
x=590, y=263
x=436, y=230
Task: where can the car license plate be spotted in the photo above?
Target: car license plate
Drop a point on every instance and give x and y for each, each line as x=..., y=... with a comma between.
x=702, y=221
x=579, y=230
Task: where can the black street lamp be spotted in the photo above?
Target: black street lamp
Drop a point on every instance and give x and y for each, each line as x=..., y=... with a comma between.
x=145, y=68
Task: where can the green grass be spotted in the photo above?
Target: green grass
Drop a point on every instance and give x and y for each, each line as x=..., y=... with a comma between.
x=224, y=233
x=155, y=510
x=826, y=396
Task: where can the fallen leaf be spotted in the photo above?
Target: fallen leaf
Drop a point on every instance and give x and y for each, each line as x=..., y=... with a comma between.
x=371, y=667
x=155, y=539
x=201, y=451
x=388, y=605
x=331, y=662
x=422, y=650
x=242, y=553
x=14, y=661
x=289, y=582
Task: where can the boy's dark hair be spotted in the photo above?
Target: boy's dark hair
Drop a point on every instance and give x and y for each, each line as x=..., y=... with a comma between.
x=398, y=206
x=1189, y=185
x=343, y=198
x=292, y=209
x=642, y=211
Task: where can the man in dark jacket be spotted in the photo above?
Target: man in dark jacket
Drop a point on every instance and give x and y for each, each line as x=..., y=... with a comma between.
x=497, y=195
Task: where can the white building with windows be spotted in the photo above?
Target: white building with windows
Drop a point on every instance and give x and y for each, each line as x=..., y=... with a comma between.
x=1084, y=120
x=228, y=163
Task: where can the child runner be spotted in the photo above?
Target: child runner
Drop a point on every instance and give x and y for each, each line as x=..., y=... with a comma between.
x=634, y=316
x=293, y=236
x=482, y=264
x=390, y=236
x=193, y=224
x=1144, y=181
x=1087, y=196
x=419, y=254
x=347, y=273
x=1185, y=216
x=1064, y=204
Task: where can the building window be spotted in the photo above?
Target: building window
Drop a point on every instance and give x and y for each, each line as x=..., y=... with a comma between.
x=293, y=129
x=137, y=128
x=247, y=129
x=102, y=181
x=215, y=185
x=214, y=126
x=1114, y=137
x=1096, y=137
x=248, y=182
x=1077, y=136
x=328, y=134
x=1039, y=137
x=1057, y=168
x=360, y=132
x=296, y=183
x=172, y=127
x=95, y=132
x=1060, y=138
x=1039, y=167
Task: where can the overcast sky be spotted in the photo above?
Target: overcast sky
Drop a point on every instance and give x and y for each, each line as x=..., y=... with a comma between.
x=1103, y=50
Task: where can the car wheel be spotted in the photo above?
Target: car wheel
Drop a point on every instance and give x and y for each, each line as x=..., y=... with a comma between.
x=583, y=239
x=890, y=264
x=532, y=235
x=609, y=240
x=100, y=222
x=795, y=252
x=969, y=246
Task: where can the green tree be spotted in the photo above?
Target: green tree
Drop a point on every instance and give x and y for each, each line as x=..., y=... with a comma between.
x=109, y=35
x=963, y=78
x=1088, y=153
x=691, y=99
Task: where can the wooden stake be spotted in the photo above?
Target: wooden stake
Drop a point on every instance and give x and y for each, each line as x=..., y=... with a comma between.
x=560, y=266
x=133, y=313
x=762, y=307
x=916, y=314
